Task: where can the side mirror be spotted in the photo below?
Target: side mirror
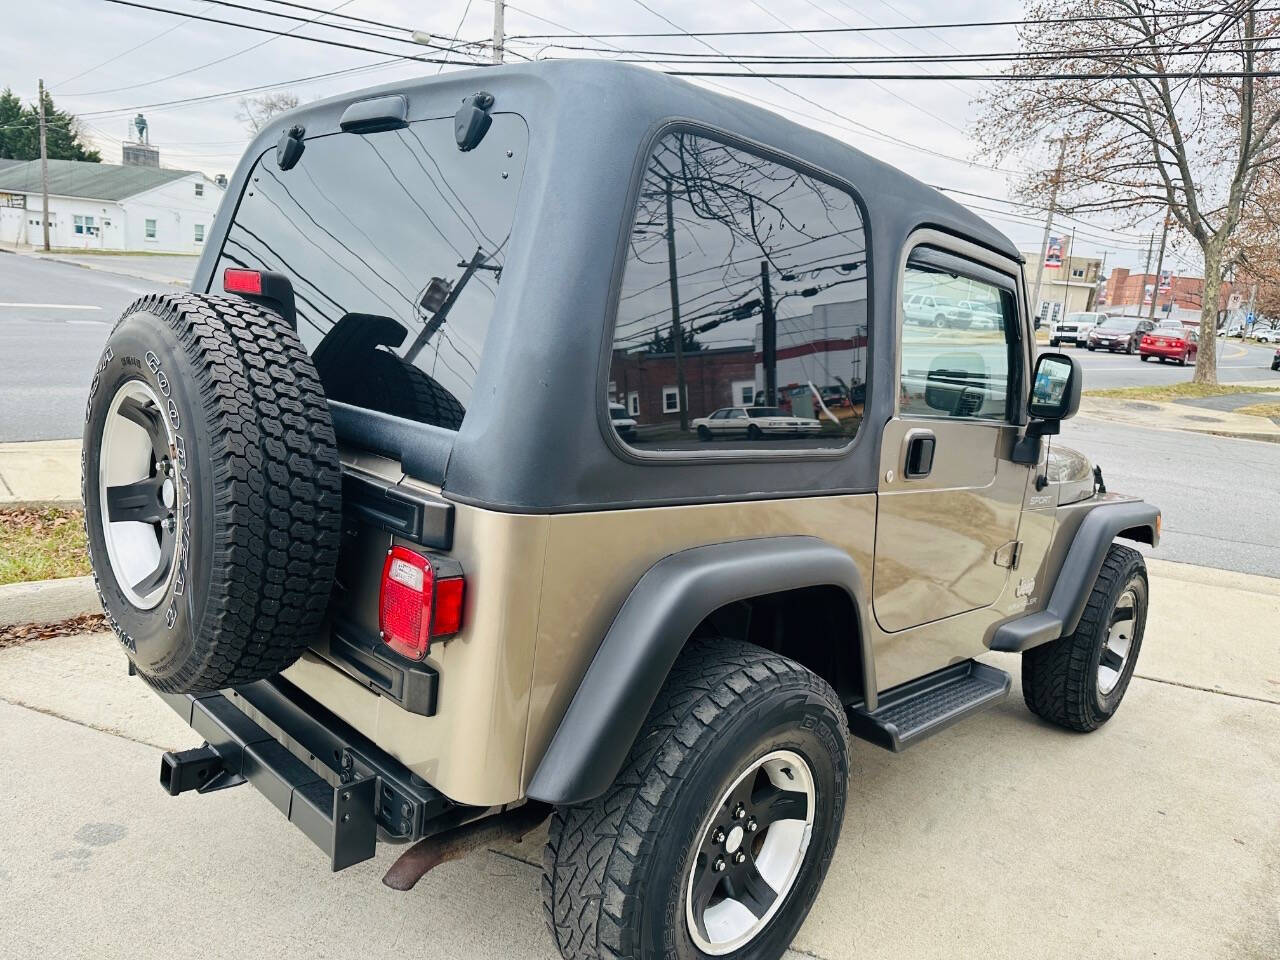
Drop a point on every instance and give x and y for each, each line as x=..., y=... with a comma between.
x=1055, y=388
x=1055, y=396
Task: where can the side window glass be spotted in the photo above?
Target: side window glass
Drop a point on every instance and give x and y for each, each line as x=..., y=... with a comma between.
x=745, y=286
x=955, y=356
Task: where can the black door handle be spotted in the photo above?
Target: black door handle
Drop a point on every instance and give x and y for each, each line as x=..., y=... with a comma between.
x=919, y=462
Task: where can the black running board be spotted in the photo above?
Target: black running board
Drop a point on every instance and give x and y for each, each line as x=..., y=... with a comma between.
x=916, y=710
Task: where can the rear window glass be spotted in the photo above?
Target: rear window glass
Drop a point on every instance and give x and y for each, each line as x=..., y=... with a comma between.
x=394, y=242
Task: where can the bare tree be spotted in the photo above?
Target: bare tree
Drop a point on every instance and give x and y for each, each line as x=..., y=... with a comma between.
x=256, y=112
x=1166, y=109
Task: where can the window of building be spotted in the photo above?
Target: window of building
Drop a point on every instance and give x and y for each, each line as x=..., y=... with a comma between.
x=199, y=233
x=959, y=368
x=149, y=229
x=1078, y=272
x=633, y=403
x=84, y=226
x=765, y=272
x=199, y=189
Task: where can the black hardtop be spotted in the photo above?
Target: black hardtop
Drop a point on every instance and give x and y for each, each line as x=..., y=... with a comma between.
x=537, y=436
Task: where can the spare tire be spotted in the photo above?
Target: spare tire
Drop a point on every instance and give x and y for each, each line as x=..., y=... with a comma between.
x=212, y=491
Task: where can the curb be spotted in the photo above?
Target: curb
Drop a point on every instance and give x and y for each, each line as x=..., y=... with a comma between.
x=48, y=601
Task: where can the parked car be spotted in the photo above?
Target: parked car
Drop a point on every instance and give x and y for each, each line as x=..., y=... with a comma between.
x=1169, y=341
x=931, y=310
x=1271, y=335
x=1119, y=334
x=754, y=423
x=360, y=515
x=622, y=421
x=1074, y=328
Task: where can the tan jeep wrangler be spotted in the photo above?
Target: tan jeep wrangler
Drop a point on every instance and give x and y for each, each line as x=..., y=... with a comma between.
x=557, y=441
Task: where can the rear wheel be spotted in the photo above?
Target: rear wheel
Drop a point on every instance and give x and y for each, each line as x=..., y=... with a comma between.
x=704, y=433
x=717, y=833
x=1053, y=343
x=1182, y=360
x=1146, y=357
x=1078, y=681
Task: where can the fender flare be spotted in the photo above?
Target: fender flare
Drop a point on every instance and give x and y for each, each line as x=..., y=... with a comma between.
x=656, y=620
x=1132, y=519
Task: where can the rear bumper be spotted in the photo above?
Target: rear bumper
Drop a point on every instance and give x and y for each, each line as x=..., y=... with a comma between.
x=332, y=783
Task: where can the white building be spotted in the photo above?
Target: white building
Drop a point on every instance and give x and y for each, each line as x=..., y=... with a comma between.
x=101, y=206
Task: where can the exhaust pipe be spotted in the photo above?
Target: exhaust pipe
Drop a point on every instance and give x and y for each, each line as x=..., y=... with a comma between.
x=430, y=852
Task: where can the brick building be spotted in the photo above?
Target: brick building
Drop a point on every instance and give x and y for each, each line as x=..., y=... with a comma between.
x=645, y=383
x=1132, y=292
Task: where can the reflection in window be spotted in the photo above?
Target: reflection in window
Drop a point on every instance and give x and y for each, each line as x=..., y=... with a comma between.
x=394, y=242
x=955, y=346
x=745, y=294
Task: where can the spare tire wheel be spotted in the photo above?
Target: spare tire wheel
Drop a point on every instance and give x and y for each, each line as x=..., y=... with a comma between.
x=212, y=491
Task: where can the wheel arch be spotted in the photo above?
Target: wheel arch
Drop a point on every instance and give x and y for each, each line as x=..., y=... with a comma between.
x=666, y=608
x=1098, y=529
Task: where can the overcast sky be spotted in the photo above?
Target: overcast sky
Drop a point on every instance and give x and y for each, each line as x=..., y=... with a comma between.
x=67, y=41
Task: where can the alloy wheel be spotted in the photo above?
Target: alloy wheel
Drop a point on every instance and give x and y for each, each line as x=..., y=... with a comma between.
x=139, y=496
x=752, y=846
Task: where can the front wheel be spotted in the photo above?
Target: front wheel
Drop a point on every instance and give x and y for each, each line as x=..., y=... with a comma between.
x=1078, y=681
x=1130, y=349
x=1053, y=343
x=754, y=432
x=1091, y=348
x=717, y=833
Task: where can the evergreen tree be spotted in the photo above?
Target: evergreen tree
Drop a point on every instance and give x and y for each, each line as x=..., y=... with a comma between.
x=20, y=131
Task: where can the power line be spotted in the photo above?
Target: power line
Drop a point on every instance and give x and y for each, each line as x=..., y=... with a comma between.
x=139, y=46
x=294, y=36
x=874, y=29
x=1124, y=75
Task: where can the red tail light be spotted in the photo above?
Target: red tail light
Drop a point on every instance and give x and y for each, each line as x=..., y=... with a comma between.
x=242, y=281
x=418, y=602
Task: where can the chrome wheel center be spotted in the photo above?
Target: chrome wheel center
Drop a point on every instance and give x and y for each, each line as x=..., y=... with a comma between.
x=753, y=845
x=138, y=496
x=1115, y=649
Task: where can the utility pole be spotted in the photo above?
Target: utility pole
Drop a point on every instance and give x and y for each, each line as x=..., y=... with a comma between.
x=768, y=338
x=677, y=334
x=498, y=6
x=1146, y=272
x=1155, y=287
x=44, y=167
x=1048, y=224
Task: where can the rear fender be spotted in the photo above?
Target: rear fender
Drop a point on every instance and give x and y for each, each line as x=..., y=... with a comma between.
x=656, y=620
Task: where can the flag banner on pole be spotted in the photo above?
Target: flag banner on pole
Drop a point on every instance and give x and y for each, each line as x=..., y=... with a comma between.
x=1053, y=254
x=1166, y=281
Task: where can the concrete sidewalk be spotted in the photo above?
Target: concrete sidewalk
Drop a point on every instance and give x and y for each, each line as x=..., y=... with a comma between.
x=40, y=471
x=1195, y=417
x=1003, y=837
x=176, y=269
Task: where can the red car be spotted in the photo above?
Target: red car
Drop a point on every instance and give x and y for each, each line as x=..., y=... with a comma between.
x=1169, y=341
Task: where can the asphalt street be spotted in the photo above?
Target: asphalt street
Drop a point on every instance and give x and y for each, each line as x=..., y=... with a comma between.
x=1237, y=362
x=1217, y=493
x=54, y=319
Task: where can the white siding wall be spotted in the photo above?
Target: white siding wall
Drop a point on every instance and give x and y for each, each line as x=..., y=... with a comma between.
x=176, y=210
x=174, y=207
